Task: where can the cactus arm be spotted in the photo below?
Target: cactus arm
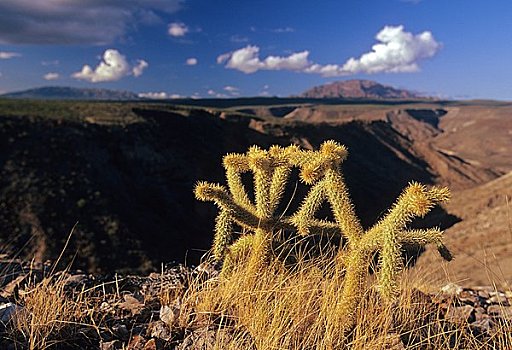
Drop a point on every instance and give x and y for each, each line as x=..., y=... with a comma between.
x=424, y=237
x=278, y=186
x=223, y=235
x=218, y=194
x=235, y=165
x=302, y=219
x=390, y=264
x=342, y=207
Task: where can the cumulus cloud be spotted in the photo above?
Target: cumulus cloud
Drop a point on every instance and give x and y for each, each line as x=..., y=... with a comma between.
x=248, y=61
x=5, y=55
x=398, y=51
x=76, y=22
x=138, y=69
x=192, y=61
x=51, y=76
x=230, y=88
x=113, y=67
x=177, y=29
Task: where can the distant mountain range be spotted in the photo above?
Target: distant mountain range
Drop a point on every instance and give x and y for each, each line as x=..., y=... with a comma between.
x=359, y=89
x=71, y=93
x=349, y=89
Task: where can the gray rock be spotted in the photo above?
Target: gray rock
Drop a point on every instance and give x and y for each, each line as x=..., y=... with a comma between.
x=7, y=312
x=504, y=312
x=452, y=288
x=460, y=314
x=169, y=314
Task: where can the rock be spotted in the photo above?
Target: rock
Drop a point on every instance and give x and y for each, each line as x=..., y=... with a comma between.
x=483, y=326
x=10, y=289
x=170, y=314
x=75, y=280
x=483, y=294
x=504, y=312
x=159, y=329
x=498, y=298
x=132, y=304
x=137, y=342
x=460, y=315
x=121, y=331
x=110, y=345
x=468, y=297
x=7, y=312
x=452, y=289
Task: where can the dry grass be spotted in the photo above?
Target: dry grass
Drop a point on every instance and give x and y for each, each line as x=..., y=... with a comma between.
x=48, y=316
x=279, y=308
x=294, y=309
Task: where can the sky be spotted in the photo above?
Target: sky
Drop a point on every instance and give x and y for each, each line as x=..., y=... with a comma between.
x=218, y=48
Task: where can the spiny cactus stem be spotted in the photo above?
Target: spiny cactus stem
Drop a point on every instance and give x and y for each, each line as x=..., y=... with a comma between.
x=237, y=189
x=390, y=264
x=260, y=254
x=356, y=263
x=262, y=180
x=223, y=235
x=278, y=185
x=342, y=207
x=310, y=205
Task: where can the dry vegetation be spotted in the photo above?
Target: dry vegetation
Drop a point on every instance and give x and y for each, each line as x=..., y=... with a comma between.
x=275, y=305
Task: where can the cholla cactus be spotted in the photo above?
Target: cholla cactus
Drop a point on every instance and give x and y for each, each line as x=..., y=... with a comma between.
x=320, y=169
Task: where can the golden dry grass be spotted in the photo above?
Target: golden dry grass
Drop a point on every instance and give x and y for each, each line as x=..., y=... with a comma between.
x=48, y=316
x=294, y=309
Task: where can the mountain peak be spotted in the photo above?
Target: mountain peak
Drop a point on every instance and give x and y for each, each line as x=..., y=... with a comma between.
x=357, y=88
x=72, y=93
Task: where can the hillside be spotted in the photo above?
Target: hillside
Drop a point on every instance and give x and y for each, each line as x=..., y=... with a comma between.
x=70, y=93
x=359, y=89
x=124, y=172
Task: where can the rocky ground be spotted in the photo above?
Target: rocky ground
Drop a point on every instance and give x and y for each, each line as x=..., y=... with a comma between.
x=134, y=312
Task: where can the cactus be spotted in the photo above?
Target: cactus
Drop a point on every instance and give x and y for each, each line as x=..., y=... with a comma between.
x=322, y=171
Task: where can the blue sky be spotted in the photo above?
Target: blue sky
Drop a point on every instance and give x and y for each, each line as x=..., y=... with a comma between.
x=220, y=48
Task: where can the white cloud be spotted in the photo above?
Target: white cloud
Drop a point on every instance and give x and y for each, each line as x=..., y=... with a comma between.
x=50, y=63
x=283, y=30
x=113, y=67
x=139, y=68
x=154, y=95
x=5, y=55
x=238, y=39
x=192, y=61
x=51, y=76
x=177, y=29
x=215, y=94
x=230, y=88
x=98, y=22
x=398, y=51
x=248, y=61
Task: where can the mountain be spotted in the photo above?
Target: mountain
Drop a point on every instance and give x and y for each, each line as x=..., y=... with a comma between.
x=359, y=89
x=71, y=93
